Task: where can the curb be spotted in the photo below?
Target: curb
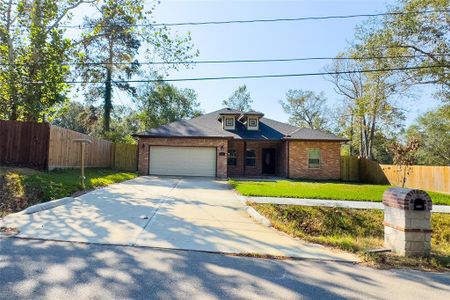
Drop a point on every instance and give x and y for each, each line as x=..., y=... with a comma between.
x=445, y=209
x=253, y=213
x=47, y=205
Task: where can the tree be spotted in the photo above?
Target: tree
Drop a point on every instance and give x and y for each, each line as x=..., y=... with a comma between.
x=405, y=156
x=239, y=100
x=162, y=103
x=433, y=131
x=87, y=119
x=34, y=51
x=368, y=98
x=421, y=38
x=306, y=109
x=111, y=44
x=78, y=117
x=9, y=98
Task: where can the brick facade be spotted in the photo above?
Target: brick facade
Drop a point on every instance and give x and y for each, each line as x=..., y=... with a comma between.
x=220, y=144
x=330, y=162
x=240, y=169
x=291, y=156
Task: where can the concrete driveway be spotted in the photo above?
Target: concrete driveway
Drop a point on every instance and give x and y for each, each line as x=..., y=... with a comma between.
x=177, y=213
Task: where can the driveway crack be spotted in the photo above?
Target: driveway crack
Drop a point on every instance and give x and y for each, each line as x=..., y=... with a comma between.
x=152, y=218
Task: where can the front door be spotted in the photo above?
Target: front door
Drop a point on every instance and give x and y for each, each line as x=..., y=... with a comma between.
x=268, y=161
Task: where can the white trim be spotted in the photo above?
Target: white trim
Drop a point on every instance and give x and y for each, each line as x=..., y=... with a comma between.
x=252, y=127
x=224, y=122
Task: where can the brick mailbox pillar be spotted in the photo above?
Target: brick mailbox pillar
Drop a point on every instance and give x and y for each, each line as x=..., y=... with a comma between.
x=407, y=226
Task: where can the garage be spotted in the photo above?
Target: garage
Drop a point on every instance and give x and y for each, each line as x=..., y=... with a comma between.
x=182, y=161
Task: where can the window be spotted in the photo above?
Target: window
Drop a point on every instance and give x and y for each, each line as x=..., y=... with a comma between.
x=231, y=157
x=250, y=157
x=228, y=123
x=252, y=123
x=314, y=158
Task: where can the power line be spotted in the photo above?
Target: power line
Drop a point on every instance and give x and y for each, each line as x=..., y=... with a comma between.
x=236, y=60
x=310, y=18
x=250, y=76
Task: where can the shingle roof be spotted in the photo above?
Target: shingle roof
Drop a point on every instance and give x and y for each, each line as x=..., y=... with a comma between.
x=229, y=111
x=209, y=126
x=311, y=134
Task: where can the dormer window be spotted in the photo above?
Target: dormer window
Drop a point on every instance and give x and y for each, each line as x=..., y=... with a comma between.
x=229, y=122
x=252, y=123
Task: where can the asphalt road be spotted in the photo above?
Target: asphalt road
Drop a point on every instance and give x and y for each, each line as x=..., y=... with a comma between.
x=36, y=269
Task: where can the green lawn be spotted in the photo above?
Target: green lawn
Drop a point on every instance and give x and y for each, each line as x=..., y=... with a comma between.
x=24, y=187
x=321, y=190
x=62, y=183
x=356, y=230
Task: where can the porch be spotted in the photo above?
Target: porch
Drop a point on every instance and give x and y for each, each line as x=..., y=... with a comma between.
x=263, y=159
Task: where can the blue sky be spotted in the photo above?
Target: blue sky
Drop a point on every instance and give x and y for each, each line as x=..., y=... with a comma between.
x=266, y=41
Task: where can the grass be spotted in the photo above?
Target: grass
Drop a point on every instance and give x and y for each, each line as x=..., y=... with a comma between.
x=356, y=231
x=62, y=183
x=321, y=190
x=24, y=187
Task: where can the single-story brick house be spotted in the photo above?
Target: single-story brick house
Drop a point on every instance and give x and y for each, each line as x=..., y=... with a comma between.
x=231, y=143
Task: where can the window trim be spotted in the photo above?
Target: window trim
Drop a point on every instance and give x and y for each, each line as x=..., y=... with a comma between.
x=256, y=127
x=226, y=119
x=319, y=164
x=247, y=158
x=234, y=157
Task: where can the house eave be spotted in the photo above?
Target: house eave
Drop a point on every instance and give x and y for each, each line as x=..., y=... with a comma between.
x=316, y=140
x=181, y=136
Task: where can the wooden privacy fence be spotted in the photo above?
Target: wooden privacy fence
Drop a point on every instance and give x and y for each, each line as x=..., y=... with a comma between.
x=125, y=157
x=44, y=146
x=24, y=144
x=430, y=178
x=64, y=153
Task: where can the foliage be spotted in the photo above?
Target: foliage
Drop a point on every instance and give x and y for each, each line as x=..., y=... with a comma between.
x=114, y=40
x=239, y=100
x=162, y=103
x=78, y=117
x=432, y=130
x=34, y=51
x=29, y=188
x=356, y=230
x=408, y=44
x=87, y=119
x=423, y=39
x=321, y=190
x=381, y=148
x=12, y=193
x=368, y=104
x=306, y=109
x=404, y=156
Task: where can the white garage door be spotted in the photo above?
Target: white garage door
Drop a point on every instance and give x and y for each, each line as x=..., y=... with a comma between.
x=187, y=161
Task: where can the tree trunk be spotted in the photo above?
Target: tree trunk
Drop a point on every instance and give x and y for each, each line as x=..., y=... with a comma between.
x=108, y=102
x=108, y=90
x=361, y=138
x=37, y=42
x=13, y=98
x=350, y=148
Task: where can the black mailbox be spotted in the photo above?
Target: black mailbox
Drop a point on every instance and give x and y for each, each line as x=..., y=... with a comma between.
x=419, y=204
